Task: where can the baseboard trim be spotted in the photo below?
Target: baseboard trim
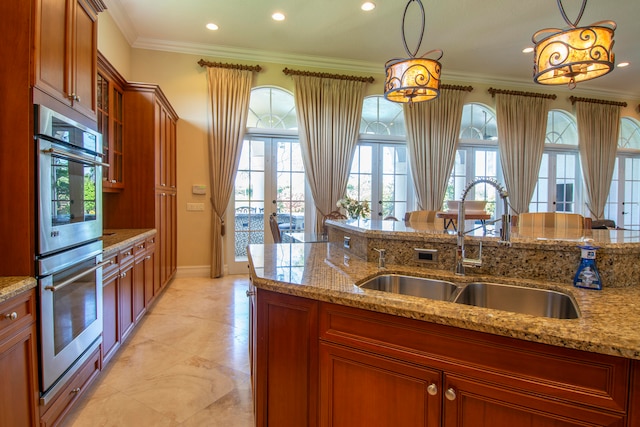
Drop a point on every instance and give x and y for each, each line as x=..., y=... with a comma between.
x=193, y=271
x=197, y=271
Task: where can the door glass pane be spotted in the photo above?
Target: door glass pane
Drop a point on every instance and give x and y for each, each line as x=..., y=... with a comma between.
x=631, y=207
x=565, y=182
x=290, y=186
x=249, y=198
x=394, y=181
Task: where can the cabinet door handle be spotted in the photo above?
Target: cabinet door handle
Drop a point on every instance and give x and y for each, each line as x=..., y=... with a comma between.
x=11, y=316
x=123, y=275
x=432, y=389
x=450, y=394
x=250, y=293
x=147, y=257
x=75, y=390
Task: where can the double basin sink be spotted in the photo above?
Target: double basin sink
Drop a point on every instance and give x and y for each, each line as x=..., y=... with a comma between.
x=517, y=299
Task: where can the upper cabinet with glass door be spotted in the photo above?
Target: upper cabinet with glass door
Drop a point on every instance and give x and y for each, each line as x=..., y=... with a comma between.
x=66, y=35
x=111, y=124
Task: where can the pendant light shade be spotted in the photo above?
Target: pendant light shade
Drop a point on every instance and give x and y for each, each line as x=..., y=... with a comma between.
x=413, y=79
x=573, y=55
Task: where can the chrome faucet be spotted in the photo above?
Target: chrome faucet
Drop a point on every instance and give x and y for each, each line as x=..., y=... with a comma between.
x=381, y=257
x=505, y=231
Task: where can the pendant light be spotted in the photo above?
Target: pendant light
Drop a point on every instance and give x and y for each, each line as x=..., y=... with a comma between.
x=575, y=54
x=413, y=79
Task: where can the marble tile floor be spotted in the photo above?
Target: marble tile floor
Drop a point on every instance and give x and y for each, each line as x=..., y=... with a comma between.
x=185, y=365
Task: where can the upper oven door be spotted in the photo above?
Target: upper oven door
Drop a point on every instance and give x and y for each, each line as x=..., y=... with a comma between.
x=69, y=196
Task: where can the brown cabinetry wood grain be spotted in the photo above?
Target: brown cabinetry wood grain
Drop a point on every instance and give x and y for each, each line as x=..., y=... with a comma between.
x=380, y=369
x=17, y=171
x=110, y=114
x=65, y=51
x=286, y=377
x=149, y=163
x=18, y=361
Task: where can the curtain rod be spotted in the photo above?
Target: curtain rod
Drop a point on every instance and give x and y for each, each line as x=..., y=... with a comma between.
x=456, y=87
x=289, y=72
x=204, y=63
x=493, y=92
x=574, y=99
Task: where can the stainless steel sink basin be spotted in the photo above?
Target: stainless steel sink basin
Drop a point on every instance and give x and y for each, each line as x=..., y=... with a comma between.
x=537, y=302
x=414, y=286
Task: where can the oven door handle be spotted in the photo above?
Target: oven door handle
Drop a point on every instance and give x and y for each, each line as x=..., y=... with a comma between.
x=74, y=278
x=74, y=157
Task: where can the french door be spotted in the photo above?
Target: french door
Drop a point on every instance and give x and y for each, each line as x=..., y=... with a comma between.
x=270, y=180
x=623, y=204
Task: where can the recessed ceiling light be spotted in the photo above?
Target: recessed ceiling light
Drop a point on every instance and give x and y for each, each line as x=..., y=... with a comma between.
x=623, y=64
x=527, y=50
x=278, y=16
x=367, y=6
x=211, y=26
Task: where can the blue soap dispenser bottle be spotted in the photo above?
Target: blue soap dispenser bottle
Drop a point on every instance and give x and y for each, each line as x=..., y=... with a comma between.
x=588, y=275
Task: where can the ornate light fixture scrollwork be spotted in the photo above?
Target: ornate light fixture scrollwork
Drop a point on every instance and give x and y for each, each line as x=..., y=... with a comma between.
x=573, y=55
x=413, y=79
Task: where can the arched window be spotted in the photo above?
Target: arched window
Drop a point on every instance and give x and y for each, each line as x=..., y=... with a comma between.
x=561, y=128
x=478, y=123
x=559, y=181
x=623, y=203
x=272, y=108
x=629, y=134
x=379, y=170
x=381, y=117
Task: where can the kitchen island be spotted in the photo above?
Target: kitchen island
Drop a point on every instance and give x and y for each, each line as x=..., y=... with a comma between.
x=317, y=335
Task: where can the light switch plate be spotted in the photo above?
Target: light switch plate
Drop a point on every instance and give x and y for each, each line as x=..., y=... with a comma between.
x=199, y=189
x=195, y=207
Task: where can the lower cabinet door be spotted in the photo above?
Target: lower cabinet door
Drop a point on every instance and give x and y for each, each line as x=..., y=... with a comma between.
x=110, y=334
x=125, y=302
x=360, y=389
x=471, y=403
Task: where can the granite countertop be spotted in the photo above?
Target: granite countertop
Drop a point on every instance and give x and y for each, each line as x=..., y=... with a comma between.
x=14, y=285
x=401, y=230
x=114, y=240
x=608, y=321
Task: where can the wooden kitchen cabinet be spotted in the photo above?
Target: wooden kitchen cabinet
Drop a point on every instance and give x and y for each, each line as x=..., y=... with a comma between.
x=65, y=51
x=110, y=115
x=110, y=310
x=150, y=199
x=375, y=367
x=361, y=389
x=286, y=376
x=127, y=292
x=19, y=361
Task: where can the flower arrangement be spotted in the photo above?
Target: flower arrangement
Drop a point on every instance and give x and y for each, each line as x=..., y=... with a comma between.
x=354, y=208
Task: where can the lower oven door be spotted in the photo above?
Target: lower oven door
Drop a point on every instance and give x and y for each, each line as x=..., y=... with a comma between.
x=70, y=312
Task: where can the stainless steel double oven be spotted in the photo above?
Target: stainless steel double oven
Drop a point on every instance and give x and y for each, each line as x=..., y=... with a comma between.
x=69, y=249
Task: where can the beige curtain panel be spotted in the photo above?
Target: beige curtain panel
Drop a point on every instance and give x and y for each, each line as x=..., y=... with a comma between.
x=229, y=94
x=433, y=129
x=522, y=128
x=328, y=112
x=598, y=131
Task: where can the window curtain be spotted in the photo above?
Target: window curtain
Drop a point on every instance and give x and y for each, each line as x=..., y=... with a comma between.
x=522, y=127
x=598, y=131
x=229, y=93
x=328, y=111
x=433, y=129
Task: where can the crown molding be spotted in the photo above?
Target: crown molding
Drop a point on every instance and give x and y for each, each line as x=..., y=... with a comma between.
x=120, y=17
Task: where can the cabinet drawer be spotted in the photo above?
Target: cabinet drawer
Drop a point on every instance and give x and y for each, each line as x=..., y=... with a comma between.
x=17, y=312
x=77, y=386
x=577, y=376
x=126, y=256
x=111, y=268
x=139, y=248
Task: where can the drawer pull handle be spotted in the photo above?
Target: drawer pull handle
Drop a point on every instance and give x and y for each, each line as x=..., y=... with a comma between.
x=147, y=257
x=450, y=394
x=432, y=389
x=75, y=390
x=250, y=293
x=11, y=316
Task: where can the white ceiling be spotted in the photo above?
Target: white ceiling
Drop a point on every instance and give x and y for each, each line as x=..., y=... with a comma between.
x=482, y=40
